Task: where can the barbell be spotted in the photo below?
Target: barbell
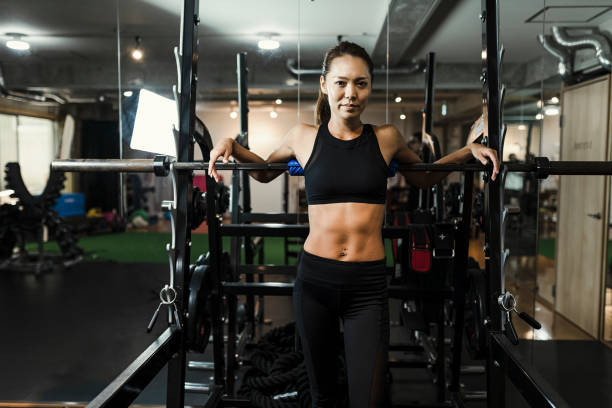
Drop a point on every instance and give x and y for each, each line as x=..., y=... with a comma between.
x=162, y=165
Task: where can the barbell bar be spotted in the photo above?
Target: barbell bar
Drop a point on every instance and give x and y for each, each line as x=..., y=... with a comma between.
x=160, y=165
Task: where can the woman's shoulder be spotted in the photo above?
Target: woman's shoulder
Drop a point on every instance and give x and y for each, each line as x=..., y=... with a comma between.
x=386, y=130
x=303, y=130
x=387, y=133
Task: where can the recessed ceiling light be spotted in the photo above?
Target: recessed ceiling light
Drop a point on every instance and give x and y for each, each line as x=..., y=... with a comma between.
x=16, y=42
x=398, y=99
x=127, y=94
x=551, y=110
x=292, y=82
x=268, y=44
x=137, y=54
x=402, y=116
x=278, y=101
x=18, y=45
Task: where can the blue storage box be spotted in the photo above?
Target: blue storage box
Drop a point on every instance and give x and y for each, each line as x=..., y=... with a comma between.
x=68, y=205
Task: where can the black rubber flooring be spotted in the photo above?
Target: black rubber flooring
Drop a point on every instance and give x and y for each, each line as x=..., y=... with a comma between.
x=67, y=334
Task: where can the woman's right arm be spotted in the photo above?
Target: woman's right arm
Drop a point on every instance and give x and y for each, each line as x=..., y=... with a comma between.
x=229, y=147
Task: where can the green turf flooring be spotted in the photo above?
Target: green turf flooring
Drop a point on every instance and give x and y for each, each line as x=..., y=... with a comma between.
x=546, y=247
x=150, y=247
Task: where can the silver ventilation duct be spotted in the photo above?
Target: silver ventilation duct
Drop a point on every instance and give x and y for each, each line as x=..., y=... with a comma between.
x=44, y=99
x=565, y=57
x=417, y=66
x=2, y=88
x=593, y=40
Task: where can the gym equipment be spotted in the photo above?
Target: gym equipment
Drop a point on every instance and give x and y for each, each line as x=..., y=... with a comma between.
x=541, y=166
x=198, y=202
x=26, y=220
x=199, y=327
x=475, y=314
x=277, y=375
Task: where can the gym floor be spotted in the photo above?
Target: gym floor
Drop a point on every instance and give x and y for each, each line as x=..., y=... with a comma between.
x=69, y=333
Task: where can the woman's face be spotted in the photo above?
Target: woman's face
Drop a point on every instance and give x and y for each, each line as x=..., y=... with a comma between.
x=348, y=85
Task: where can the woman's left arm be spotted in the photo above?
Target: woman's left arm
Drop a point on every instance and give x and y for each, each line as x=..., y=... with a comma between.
x=428, y=178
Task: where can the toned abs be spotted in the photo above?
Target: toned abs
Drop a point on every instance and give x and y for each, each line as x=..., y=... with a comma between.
x=346, y=231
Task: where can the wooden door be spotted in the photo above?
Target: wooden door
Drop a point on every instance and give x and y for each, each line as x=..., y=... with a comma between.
x=582, y=210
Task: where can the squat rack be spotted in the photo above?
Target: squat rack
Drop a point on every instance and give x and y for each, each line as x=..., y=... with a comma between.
x=502, y=358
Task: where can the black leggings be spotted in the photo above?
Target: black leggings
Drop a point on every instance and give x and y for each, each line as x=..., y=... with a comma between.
x=326, y=292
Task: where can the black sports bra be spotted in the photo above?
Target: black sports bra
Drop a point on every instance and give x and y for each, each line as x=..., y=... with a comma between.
x=341, y=171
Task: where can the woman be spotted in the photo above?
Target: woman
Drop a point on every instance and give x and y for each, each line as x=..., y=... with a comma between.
x=341, y=271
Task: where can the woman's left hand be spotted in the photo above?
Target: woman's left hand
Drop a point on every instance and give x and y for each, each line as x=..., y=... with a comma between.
x=484, y=154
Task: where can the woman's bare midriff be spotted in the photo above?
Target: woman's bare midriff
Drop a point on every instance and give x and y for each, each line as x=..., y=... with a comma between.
x=346, y=231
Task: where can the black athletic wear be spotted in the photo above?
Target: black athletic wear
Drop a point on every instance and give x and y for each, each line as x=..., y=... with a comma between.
x=326, y=292
x=329, y=292
x=341, y=171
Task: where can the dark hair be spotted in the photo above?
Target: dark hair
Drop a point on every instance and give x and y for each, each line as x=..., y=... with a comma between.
x=322, y=111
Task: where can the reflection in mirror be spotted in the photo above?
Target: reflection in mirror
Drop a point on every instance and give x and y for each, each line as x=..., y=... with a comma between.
x=147, y=35
x=49, y=69
x=565, y=69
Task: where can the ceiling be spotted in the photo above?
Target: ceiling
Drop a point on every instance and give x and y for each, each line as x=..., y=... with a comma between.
x=75, y=43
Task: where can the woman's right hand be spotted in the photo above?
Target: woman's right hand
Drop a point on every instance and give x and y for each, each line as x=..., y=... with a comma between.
x=223, y=148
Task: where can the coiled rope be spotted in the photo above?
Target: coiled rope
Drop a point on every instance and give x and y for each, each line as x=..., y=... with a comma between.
x=278, y=378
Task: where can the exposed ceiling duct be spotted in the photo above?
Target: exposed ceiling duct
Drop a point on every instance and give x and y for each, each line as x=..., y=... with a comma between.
x=416, y=67
x=560, y=52
x=2, y=88
x=563, y=46
x=36, y=98
x=593, y=40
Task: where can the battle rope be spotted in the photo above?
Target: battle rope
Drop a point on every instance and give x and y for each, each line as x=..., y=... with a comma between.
x=278, y=378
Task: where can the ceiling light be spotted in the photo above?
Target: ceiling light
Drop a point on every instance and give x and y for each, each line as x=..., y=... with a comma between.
x=539, y=104
x=17, y=43
x=137, y=53
x=539, y=116
x=554, y=100
x=292, y=82
x=402, y=116
x=398, y=99
x=273, y=114
x=278, y=101
x=443, y=109
x=268, y=44
x=551, y=110
x=522, y=127
x=127, y=94
x=233, y=114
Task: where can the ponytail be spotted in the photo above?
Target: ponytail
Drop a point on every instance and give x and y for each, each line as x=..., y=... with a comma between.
x=322, y=111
